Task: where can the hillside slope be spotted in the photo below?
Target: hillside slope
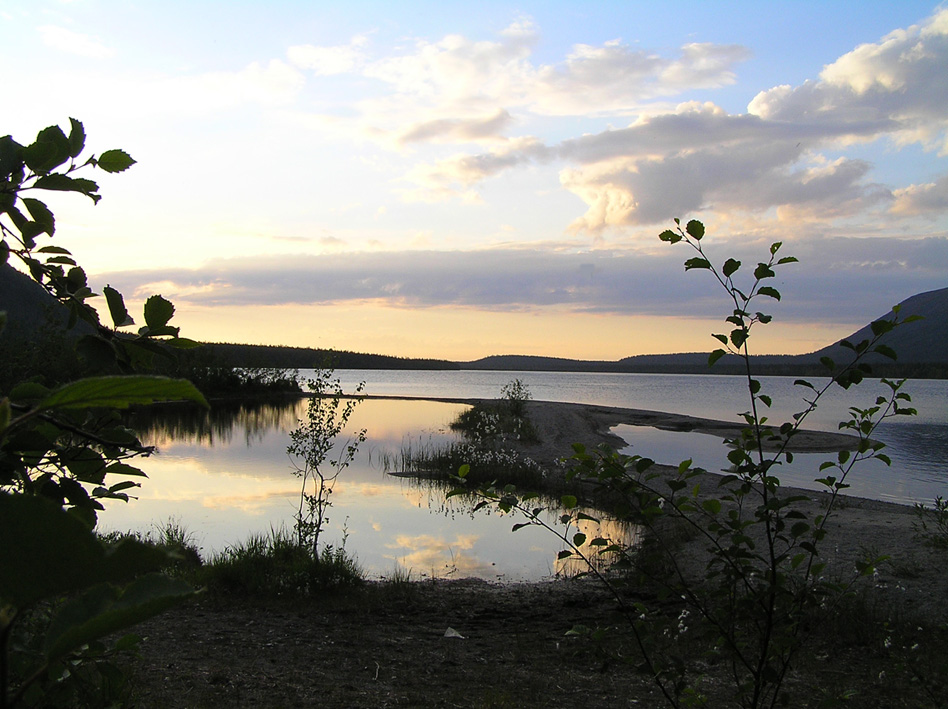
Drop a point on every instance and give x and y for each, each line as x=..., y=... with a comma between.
x=924, y=341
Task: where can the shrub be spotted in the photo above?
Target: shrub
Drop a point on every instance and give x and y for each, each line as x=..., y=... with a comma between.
x=752, y=601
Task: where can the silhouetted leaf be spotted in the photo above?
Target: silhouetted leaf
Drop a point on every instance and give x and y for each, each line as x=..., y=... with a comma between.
x=115, y=161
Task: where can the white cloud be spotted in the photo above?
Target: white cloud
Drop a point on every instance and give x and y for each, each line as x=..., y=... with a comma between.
x=462, y=90
x=327, y=61
x=930, y=198
x=273, y=84
x=457, y=130
x=896, y=87
x=74, y=43
x=699, y=157
x=617, y=79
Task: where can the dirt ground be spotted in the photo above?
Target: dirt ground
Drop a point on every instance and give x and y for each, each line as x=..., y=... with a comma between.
x=469, y=643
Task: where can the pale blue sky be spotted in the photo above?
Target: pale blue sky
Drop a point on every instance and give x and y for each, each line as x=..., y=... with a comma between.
x=459, y=179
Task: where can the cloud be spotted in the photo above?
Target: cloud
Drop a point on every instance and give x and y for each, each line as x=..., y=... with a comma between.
x=853, y=273
x=457, y=130
x=700, y=157
x=617, y=79
x=927, y=199
x=897, y=86
x=328, y=61
x=273, y=83
x=71, y=42
x=459, y=89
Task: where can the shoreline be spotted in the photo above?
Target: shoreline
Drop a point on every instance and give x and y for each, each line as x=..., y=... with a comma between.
x=860, y=527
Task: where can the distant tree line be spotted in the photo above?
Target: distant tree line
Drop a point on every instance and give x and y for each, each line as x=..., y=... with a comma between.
x=236, y=355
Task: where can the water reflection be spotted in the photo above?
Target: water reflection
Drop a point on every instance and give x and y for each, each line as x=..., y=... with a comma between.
x=434, y=494
x=224, y=475
x=160, y=425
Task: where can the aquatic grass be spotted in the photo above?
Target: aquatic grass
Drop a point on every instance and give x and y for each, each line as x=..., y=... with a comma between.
x=276, y=564
x=431, y=461
x=495, y=421
x=170, y=536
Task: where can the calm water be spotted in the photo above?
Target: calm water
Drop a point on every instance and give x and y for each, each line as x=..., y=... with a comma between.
x=918, y=445
x=229, y=476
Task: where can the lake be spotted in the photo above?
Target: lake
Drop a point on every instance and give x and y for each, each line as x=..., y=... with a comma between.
x=227, y=476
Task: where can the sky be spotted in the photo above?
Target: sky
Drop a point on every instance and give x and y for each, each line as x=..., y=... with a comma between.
x=457, y=180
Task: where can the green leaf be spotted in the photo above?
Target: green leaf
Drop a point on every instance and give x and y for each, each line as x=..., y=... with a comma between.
x=695, y=229
x=182, y=343
x=103, y=609
x=670, y=236
x=579, y=539
x=886, y=351
x=158, y=311
x=768, y=291
x=117, y=309
x=63, y=183
x=739, y=337
x=121, y=392
x=697, y=262
x=568, y=501
x=77, y=138
x=41, y=214
x=29, y=391
x=115, y=161
x=44, y=550
x=11, y=159
x=730, y=267
x=565, y=554
x=799, y=529
x=124, y=469
x=715, y=356
x=763, y=271
x=880, y=327
x=49, y=150
x=712, y=506
x=50, y=249
x=158, y=331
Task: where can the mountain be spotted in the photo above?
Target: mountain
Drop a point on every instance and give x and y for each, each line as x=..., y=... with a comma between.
x=924, y=341
x=29, y=307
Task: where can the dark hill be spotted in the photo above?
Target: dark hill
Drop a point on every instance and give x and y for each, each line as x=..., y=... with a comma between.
x=924, y=341
x=29, y=307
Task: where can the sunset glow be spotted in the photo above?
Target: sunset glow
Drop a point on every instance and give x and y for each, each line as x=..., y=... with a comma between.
x=420, y=180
